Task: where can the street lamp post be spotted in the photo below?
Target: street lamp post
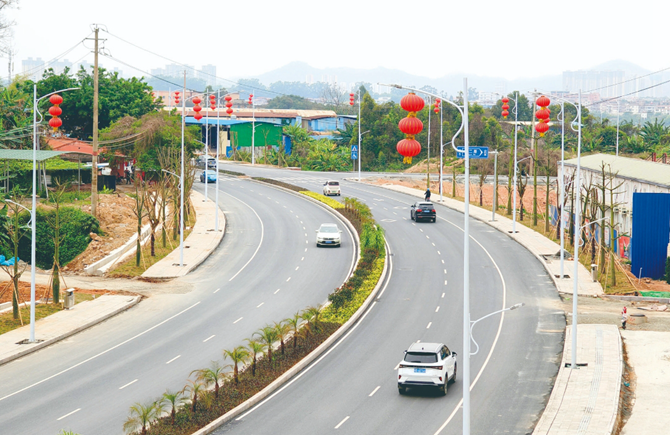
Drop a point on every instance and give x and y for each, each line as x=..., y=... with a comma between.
x=495, y=184
x=34, y=208
x=360, y=151
x=617, y=127
x=466, y=245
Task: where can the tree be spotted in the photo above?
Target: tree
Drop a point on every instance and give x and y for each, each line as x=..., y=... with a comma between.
x=141, y=416
x=255, y=348
x=654, y=134
x=55, y=224
x=14, y=229
x=294, y=326
x=195, y=389
x=173, y=398
x=268, y=336
x=311, y=315
x=211, y=375
x=140, y=213
x=282, y=329
x=236, y=355
x=5, y=23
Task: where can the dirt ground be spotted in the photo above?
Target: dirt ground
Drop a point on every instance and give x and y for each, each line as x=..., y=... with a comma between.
x=41, y=291
x=118, y=224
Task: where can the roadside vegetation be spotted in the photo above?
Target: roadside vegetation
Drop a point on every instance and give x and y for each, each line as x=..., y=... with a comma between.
x=245, y=370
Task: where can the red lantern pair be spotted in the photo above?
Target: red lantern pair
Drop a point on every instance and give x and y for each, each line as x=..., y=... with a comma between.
x=351, y=99
x=542, y=115
x=197, y=108
x=55, y=111
x=411, y=126
x=229, y=104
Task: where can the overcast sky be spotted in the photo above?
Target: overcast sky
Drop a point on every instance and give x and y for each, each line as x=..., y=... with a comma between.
x=504, y=38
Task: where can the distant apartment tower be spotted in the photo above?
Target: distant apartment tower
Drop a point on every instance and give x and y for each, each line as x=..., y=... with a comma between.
x=607, y=83
x=33, y=68
x=208, y=74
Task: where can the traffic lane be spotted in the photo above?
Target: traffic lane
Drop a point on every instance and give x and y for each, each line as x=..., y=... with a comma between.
x=141, y=355
x=368, y=358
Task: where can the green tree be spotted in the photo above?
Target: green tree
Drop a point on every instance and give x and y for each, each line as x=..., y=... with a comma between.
x=141, y=416
x=14, y=227
x=194, y=389
x=255, y=348
x=174, y=399
x=294, y=326
x=312, y=315
x=211, y=375
x=282, y=328
x=268, y=336
x=236, y=355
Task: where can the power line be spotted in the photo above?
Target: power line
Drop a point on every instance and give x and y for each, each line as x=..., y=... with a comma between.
x=629, y=80
x=65, y=53
x=189, y=67
x=630, y=93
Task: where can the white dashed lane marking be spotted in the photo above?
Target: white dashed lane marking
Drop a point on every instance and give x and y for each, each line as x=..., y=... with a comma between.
x=238, y=320
x=68, y=414
x=129, y=383
x=277, y=291
x=429, y=323
x=342, y=422
x=437, y=309
x=374, y=391
x=259, y=305
x=173, y=359
x=208, y=338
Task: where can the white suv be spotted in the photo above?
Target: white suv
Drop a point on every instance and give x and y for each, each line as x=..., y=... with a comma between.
x=427, y=364
x=331, y=187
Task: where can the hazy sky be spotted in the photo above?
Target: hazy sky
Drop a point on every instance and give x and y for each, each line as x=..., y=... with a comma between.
x=504, y=38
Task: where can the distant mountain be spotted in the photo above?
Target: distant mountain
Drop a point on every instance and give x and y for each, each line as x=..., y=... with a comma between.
x=451, y=83
x=621, y=65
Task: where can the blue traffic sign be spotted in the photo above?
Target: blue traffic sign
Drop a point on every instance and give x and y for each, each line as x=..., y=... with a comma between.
x=354, y=149
x=475, y=152
x=354, y=155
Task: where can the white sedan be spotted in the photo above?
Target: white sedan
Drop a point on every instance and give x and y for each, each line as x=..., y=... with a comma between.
x=328, y=234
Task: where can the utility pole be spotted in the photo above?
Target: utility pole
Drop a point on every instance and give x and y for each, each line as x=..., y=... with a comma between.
x=94, y=175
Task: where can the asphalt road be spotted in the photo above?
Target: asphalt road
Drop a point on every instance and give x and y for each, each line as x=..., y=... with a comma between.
x=354, y=389
x=266, y=269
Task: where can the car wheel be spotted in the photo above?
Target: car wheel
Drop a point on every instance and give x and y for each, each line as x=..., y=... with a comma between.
x=434, y=219
x=411, y=217
x=401, y=389
x=453, y=378
x=443, y=389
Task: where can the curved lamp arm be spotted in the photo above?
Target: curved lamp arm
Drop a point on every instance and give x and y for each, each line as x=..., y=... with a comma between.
x=473, y=323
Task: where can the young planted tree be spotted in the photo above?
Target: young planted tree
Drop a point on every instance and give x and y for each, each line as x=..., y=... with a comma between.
x=282, y=329
x=140, y=213
x=237, y=356
x=255, y=348
x=195, y=389
x=294, y=327
x=55, y=224
x=174, y=400
x=311, y=315
x=521, y=182
x=152, y=203
x=141, y=416
x=268, y=336
x=212, y=375
x=13, y=231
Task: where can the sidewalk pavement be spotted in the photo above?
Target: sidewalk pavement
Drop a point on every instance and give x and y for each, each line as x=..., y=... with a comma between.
x=201, y=242
x=584, y=400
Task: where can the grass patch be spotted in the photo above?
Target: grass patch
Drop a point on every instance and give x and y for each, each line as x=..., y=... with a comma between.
x=8, y=323
x=129, y=269
x=324, y=199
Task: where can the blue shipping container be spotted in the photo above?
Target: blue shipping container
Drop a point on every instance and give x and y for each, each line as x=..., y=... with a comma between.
x=651, y=231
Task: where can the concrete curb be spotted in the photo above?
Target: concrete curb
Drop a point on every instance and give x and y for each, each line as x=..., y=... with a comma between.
x=302, y=364
x=119, y=254
x=131, y=303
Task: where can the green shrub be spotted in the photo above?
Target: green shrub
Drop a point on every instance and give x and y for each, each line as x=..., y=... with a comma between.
x=75, y=230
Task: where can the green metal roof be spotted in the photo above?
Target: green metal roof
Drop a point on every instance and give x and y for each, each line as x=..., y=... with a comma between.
x=28, y=154
x=626, y=167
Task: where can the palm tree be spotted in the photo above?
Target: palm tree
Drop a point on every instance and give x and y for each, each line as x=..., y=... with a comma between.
x=174, y=399
x=211, y=375
x=312, y=314
x=267, y=335
x=237, y=355
x=255, y=347
x=282, y=329
x=194, y=389
x=294, y=325
x=141, y=416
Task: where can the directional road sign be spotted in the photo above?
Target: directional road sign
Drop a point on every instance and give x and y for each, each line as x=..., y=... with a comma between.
x=475, y=152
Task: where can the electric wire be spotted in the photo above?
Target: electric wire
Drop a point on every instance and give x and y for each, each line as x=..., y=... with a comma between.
x=33, y=70
x=625, y=95
x=626, y=81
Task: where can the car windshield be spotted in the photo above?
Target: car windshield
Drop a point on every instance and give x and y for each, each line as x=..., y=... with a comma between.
x=333, y=183
x=424, y=358
x=328, y=229
x=426, y=205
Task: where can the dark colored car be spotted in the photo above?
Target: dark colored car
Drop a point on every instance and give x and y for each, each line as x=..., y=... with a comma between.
x=423, y=211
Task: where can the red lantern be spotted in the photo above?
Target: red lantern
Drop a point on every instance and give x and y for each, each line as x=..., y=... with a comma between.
x=212, y=97
x=229, y=104
x=505, y=106
x=542, y=115
x=408, y=148
x=505, y=114
x=197, y=108
x=229, y=111
x=55, y=122
x=197, y=100
x=198, y=116
x=543, y=101
x=56, y=99
x=542, y=127
x=351, y=99
x=437, y=110
x=228, y=98
x=505, y=100
x=410, y=125
x=55, y=111
x=412, y=103
x=212, y=106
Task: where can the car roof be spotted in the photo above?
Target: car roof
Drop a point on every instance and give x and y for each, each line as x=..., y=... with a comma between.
x=329, y=225
x=425, y=347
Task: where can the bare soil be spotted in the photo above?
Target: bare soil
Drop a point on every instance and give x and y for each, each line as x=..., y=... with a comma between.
x=41, y=291
x=117, y=223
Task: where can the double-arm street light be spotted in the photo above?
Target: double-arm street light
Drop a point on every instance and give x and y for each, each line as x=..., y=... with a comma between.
x=463, y=110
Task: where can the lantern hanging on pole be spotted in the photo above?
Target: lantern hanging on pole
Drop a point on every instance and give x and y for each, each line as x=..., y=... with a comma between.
x=55, y=111
x=505, y=108
x=229, y=104
x=351, y=99
x=437, y=105
x=197, y=108
x=251, y=99
x=411, y=126
x=543, y=115
x=176, y=97
x=541, y=127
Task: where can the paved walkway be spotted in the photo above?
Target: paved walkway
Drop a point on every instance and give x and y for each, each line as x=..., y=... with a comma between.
x=201, y=242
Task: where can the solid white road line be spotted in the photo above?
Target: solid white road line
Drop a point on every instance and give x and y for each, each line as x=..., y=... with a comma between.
x=374, y=391
x=217, y=290
x=238, y=320
x=437, y=309
x=173, y=359
x=99, y=354
x=342, y=422
x=67, y=415
x=208, y=338
x=259, y=243
x=259, y=305
x=429, y=323
x=129, y=383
